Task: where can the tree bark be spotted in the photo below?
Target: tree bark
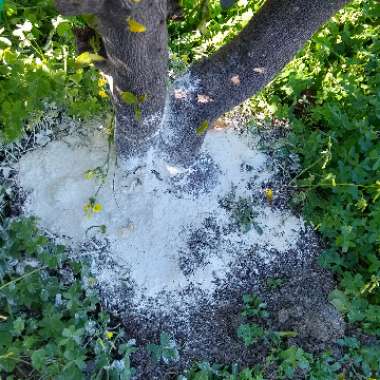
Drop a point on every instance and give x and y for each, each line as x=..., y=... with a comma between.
x=137, y=63
x=239, y=69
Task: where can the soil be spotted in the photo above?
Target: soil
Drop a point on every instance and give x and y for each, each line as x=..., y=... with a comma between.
x=218, y=260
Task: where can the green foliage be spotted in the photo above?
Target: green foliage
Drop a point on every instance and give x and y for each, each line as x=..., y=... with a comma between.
x=37, y=65
x=206, y=26
x=50, y=322
x=166, y=350
x=250, y=333
x=254, y=307
x=331, y=95
x=285, y=360
x=242, y=212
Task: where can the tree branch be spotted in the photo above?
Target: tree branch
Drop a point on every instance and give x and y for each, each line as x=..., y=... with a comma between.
x=243, y=66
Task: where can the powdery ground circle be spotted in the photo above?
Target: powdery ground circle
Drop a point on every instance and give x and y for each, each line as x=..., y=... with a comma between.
x=168, y=228
x=174, y=250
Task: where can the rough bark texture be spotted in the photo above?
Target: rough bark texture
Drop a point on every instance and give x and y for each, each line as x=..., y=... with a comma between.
x=78, y=7
x=138, y=63
x=241, y=68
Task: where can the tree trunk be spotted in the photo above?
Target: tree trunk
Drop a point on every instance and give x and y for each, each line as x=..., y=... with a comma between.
x=138, y=64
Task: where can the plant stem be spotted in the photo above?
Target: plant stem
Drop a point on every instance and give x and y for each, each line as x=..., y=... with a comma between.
x=20, y=278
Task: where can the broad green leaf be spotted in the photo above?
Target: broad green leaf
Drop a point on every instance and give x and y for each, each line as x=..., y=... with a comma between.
x=5, y=41
x=202, y=129
x=129, y=98
x=87, y=58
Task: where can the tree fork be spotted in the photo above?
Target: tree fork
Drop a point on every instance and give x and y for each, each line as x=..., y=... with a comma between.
x=138, y=64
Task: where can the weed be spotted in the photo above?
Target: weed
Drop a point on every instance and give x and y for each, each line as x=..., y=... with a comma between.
x=50, y=322
x=166, y=351
x=36, y=69
x=242, y=212
x=330, y=95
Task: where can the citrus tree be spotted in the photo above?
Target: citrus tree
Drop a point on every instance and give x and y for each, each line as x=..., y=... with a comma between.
x=133, y=51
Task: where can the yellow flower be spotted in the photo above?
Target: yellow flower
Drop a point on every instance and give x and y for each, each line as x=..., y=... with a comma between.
x=97, y=207
x=102, y=94
x=109, y=334
x=102, y=82
x=269, y=194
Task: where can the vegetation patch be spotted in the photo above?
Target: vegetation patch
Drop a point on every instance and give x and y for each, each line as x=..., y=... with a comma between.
x=51, y=322
x=330, y=95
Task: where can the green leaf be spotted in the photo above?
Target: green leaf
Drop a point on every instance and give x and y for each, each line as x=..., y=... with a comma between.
x=129, y=98
x=18, y=326
x=250, y=333
x=87, y=58
x=39, y=359
x=5, y=41
x=202, y=129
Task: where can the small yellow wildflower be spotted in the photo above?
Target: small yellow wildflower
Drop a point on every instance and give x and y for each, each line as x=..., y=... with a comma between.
x=102, y=82
x=97, y=207
x=91, y=207
x=103, y=94
x=269, y=194
x=109, y=334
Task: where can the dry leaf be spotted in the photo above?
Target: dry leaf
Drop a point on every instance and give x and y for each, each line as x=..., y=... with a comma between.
x=203, y=99
x=135, y=27
x=219, y=124
x=235, y=80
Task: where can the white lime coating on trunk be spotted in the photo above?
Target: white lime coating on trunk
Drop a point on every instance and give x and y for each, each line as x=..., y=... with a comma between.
x=149, y=218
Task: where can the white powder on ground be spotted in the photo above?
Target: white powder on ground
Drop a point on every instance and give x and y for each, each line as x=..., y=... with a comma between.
x=149, y=213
